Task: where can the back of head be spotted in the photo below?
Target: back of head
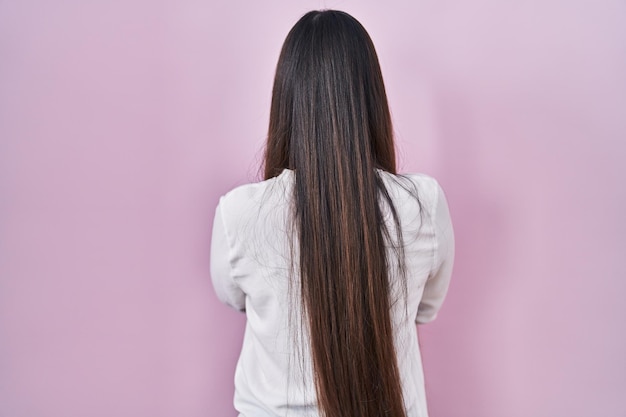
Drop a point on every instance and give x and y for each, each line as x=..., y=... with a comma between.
x=330, y=122
x=328, y=81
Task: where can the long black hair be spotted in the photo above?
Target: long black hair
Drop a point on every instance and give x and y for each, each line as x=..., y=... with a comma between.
x=330, y=123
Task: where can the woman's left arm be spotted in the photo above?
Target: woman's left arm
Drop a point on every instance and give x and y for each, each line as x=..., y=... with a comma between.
x=225, y=286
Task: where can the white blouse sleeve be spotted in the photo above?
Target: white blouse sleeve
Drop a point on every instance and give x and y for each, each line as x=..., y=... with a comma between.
x=225, y=286
x=438, y=281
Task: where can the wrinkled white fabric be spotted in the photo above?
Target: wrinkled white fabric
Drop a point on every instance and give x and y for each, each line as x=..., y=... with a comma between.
x=252, y=271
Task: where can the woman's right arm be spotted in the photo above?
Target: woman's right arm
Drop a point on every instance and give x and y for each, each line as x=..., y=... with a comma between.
x=438, y=280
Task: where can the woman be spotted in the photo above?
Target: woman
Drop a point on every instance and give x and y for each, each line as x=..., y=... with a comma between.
x=333, y=257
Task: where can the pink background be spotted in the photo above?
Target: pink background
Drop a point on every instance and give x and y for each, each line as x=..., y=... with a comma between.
x=121, y=123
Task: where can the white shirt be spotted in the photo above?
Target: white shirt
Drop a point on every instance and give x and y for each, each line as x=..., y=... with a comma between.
x=251, y=270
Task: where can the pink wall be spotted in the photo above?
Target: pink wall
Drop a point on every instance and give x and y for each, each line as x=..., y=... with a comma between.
x=121, y=123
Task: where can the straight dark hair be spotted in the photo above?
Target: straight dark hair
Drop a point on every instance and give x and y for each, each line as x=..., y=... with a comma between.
x=330, y=123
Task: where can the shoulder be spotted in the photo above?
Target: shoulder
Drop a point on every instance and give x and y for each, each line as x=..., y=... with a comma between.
x=425, y=181
x=248, y=198
x=423, y=186
x=428, y=185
